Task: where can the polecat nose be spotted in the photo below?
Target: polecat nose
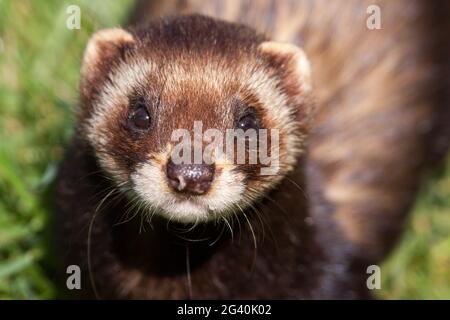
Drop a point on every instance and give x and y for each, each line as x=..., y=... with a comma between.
x=192, y=179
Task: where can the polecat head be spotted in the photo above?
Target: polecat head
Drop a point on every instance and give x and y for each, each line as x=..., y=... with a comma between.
x=160, y=106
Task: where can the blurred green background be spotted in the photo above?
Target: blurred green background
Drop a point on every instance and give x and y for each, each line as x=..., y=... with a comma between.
x=39, y=71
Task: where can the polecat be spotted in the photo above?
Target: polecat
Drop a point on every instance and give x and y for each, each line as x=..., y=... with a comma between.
x=141, y=225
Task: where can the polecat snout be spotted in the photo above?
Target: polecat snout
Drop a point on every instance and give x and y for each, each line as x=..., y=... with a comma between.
x=140, y=87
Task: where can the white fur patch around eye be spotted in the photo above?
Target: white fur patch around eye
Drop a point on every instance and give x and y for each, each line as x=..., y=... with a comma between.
x=149, y=183
x=124, y=79
x=275, y=104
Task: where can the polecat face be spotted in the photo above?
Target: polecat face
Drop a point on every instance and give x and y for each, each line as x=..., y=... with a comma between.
x=154, y=99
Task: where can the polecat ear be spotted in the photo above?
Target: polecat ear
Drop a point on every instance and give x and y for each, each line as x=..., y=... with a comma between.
x=290, y=63
x=104, y=47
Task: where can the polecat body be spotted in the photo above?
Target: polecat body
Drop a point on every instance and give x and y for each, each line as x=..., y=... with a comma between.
x=222, y=229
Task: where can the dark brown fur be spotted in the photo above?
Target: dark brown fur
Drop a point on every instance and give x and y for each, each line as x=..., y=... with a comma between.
x=382, y=98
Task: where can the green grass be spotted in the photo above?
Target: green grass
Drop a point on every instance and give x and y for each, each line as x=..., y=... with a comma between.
x=39, y=71
x=420, y=266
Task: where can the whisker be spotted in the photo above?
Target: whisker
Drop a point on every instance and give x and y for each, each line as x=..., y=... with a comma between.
x=235, y=216
x=89, y=239
x=188, y=272
x=229, y=227
x=266, y=196
x=269, y=225
x=91, y=275
x=305, y=195
x=257, y=213
x=130, y=206
x=219, y=236
x=253, y=235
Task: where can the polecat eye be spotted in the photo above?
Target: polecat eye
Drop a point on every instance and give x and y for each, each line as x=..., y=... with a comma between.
x=139, y=118
x=248, y=121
